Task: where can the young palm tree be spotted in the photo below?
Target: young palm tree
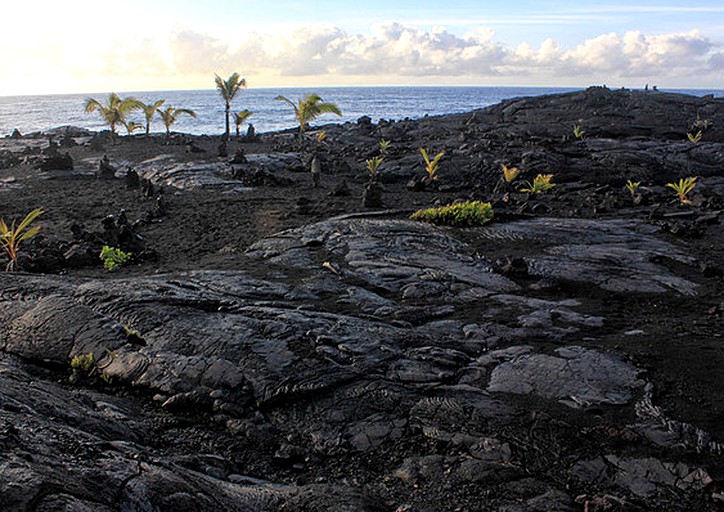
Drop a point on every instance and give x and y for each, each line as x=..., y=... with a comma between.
x=114, y=111
x=170, y=114
x=10, y=237
x=149, y=110
x=240, y=119
x=229, y=89
x=309, y=108
x=132, y=126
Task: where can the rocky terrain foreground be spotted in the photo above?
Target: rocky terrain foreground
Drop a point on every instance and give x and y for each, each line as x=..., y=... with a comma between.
x=276, y=346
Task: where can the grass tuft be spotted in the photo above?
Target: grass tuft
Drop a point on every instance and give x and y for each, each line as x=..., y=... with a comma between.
x=469, y=213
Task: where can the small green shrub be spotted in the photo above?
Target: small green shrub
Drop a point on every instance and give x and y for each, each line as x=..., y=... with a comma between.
x=385, y=146
x=469, y=213
x=579, y=132
x=114, y=258
x=85, y=366
x=83, y=362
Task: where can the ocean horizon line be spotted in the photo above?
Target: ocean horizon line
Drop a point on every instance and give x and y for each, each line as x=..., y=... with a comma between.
x=338, y=87
x=302, y=87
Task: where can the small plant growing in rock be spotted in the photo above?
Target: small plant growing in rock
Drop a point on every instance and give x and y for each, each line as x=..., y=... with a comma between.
x=373, y=166
x=83, y=362
x=695, y=138
x=385, y=146
x=683, y=188
x=578, y=132
x=86, y=366
x=510, y=173
x=321, y=137
x=632, y=187
x=541, y=183
x=469, y=213
x=701, y=124
x=114, y=258
x=432, y=166
x=12, y=236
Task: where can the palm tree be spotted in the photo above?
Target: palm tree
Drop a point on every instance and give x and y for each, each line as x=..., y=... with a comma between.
x=240, y=118
x=170, y=115
x=229, y=89
x=131, y=126
x=309, y=108
x=114, y=111
x=149, y=110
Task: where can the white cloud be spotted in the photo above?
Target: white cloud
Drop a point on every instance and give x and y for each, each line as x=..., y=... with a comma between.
x=393, y=48
x=391, y=52
x=635, y=54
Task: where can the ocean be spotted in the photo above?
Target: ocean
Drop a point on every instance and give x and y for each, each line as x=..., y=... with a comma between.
x=37, y=113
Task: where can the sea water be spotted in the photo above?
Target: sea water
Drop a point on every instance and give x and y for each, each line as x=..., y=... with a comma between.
x=37, y=113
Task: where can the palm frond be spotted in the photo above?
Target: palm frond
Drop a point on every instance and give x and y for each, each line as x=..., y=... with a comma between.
x=29, y=218
x=424, y=155
x=230, y=87
x=312, y=98
x=437, y=158
x=30, y=233
x=91, y=105
x=282, y=98
x=185, y=111
x=241, y=117
x=219, y=83
x=329, y=108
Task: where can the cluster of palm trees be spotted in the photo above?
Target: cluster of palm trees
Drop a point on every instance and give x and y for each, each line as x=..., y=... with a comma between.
x=115, y=110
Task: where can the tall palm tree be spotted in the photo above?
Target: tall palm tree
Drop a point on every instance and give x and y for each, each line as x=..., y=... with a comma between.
x=309, y=108
x=149, y=110
x=170, y=114
x=229, y=89
x=115, y=109
x=240, y=119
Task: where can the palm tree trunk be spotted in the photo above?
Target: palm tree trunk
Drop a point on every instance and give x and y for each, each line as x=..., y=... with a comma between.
x=228, y=129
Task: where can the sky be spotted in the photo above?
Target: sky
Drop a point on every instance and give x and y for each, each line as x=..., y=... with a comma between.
x=87, y=46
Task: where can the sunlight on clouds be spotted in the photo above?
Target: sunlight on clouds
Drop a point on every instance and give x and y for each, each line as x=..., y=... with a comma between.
x=638, y=54
x=176, y=57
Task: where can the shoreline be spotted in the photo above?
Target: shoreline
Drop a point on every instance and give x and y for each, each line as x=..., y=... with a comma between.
x=206, y=105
